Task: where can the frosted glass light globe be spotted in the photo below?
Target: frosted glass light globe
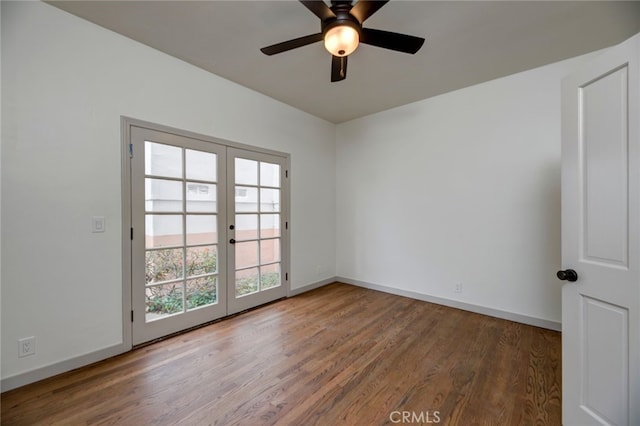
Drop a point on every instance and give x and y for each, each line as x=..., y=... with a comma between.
x=341, y=40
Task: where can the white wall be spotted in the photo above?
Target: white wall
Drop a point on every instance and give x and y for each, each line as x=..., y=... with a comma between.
x=460, y=188
x=66, y=83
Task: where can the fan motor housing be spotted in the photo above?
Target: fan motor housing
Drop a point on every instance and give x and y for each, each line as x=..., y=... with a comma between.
x=343, y=17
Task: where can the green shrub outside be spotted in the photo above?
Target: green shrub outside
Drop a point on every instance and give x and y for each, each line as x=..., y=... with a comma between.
x=162, y=265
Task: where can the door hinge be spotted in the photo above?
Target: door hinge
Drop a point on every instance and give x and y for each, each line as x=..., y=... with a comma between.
x=286, y=173
x=132, y=316
x=130, y=150
x=286, y=276
x=131, y=234
x=286, y=225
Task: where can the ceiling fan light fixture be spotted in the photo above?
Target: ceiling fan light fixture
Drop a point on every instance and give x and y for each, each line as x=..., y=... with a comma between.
x=341, y=30
x=341, y=40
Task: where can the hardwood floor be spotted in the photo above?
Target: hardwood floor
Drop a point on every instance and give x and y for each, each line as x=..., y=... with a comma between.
x=338, y=355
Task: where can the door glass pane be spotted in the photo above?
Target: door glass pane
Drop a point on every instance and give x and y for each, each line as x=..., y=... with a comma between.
x=163, y=300
x=202, y=229
x=270, y=276
x=246, y=199
x=269, y=200
x=201, y=197
x=161, y=195
x=246, y=281
x=163, y=230
x=246, y=227
x=162, y=160
x=270, y=174
x=163, y=265
x=201, y=165
x=269, y=225
x=246, y=254
x=202, y=292
x=201, y=260
x=246, y=171
x=269, y=251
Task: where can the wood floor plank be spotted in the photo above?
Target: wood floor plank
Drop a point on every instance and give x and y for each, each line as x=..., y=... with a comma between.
x=338, y=355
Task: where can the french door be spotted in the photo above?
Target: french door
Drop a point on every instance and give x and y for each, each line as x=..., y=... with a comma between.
x=256, y=222
x=207, y=231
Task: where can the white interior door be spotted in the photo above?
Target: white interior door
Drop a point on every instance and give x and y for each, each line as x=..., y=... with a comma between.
x=600, y=240
x=257, y=230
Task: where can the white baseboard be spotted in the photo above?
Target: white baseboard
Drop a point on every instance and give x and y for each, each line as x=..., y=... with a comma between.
x=511, y=316
x=312, y=286
x=51, y=370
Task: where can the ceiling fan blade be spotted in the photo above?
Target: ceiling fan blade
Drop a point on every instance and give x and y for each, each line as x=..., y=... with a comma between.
x=365, y=8
x=319, y=8
x=291, y=44
x=394, y=41
x=338, y=68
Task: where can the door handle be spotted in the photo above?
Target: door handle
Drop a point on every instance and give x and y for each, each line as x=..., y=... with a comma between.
x=232, y=241
x=567, y=275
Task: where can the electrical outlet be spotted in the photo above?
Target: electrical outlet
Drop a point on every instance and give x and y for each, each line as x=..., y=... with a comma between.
x=458, y=288
x=26, y=346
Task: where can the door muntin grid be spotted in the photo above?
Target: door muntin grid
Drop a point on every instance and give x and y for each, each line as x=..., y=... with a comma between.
x=181, y=230
x=257, y=201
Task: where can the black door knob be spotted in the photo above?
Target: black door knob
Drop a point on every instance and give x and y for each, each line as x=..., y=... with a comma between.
x=568, y=275
x=232, y=241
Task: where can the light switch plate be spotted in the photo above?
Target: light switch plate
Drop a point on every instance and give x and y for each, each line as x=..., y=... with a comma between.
x=97, y=224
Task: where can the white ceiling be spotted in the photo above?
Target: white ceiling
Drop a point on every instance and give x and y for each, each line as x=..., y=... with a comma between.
x=467, y=42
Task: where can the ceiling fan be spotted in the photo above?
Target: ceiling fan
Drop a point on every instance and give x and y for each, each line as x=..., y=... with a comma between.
x=341, y=30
